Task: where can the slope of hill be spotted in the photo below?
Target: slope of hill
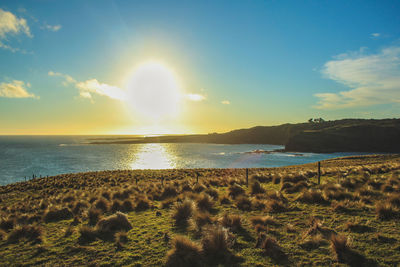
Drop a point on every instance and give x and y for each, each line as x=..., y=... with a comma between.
x=352, y=135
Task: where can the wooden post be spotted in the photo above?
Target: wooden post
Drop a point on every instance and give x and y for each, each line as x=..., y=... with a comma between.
x=136, y=179
x=319, y=172
x=247, y=177
x=197, y=179
x=162, y=181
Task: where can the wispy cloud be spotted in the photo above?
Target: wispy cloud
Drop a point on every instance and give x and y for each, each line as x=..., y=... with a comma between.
x=92, y=86
x=16, y=89
x=225, y=102
x=372, y=78
x=53, y=28
x=195, y=97
x=89, y=87
x=12, y=25
x=375, y=35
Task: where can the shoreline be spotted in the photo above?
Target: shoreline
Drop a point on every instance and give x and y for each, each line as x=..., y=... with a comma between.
x=349, y=161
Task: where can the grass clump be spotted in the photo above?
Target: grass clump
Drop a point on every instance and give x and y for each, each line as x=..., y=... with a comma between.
x=385, y=211
x=182, y=211
x=215, y=243
x=27, y=232
x=184, y=253
x=113, y=223
x=312, y=196
x=256, y=188
x=204, y=202
x=235, y=190
x=54, y=215
x=232, y=222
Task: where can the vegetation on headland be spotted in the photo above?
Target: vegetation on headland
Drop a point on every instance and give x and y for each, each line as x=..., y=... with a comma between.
x=349, y=135
x=281, y=217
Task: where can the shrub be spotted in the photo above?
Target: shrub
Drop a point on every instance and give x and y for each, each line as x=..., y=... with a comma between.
x=182, y=211
x=54, y=215
x=27, y=232
x=216, y=242
x=256, y=188
x=113, y=223
x=204, y=202
x=184, y=253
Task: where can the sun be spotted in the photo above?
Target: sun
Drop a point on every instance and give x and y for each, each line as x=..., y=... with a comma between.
x=153, y=91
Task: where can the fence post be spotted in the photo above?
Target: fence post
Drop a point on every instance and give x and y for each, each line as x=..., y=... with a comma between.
x=319, y=172
x=162, y=181
x=136, y=179
x=197, y=179
x=247, y=177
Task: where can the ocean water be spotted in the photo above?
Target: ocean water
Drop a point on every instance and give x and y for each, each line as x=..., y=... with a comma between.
x=23, y=156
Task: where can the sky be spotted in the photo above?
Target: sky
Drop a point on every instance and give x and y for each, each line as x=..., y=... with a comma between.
x=158, y=67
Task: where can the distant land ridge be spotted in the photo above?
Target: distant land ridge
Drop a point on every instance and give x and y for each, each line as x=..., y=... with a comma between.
x=347, y=135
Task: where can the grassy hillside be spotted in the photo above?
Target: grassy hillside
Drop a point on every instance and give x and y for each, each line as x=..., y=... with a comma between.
x=353, y=135
x=282, y=217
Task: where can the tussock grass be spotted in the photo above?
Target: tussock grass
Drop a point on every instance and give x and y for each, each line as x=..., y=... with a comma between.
x=216, y=242
x=57, y=214
x=182, y=211
x=184, y=252
x=30, y=233
x=236, y=220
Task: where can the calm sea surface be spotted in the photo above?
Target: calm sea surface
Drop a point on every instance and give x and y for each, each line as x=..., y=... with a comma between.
x=22, y=156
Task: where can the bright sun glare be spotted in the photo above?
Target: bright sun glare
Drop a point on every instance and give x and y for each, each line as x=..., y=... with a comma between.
x=154, y=91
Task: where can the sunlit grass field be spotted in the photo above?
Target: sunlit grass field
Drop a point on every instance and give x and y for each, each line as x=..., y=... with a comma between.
x=206, y=217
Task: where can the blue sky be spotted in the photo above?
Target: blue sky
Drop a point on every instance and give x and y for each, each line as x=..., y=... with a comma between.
x=269, y=62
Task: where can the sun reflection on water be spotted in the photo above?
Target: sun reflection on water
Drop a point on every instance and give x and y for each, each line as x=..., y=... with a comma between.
x=153, y=156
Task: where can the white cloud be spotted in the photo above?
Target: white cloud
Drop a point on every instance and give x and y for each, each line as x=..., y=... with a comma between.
x=89, y=87
x=225, y=102
x=195, y=97
x=11, y=25
x=53, y=28
x=373, y=79
x=16, y=89
x=375, y=35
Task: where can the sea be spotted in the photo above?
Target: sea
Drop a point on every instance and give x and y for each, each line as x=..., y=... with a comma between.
x=22, y=157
